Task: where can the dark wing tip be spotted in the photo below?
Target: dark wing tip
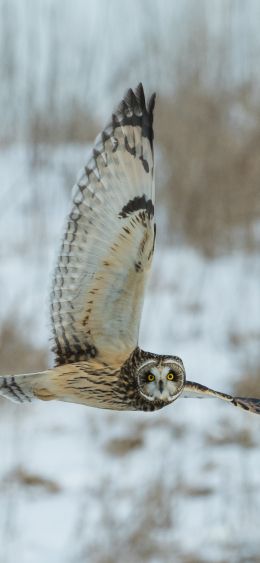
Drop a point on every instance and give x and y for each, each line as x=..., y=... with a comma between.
x=139, y=93
x=133, y=110
x=136, y=99
x=129, y=98
x=248, y=403
x=151, y=103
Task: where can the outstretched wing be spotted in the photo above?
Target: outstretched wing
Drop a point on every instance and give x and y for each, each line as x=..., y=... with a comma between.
x=99, y=281
x=195, y=390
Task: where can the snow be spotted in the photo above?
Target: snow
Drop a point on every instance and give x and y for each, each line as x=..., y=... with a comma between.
x=177, y=485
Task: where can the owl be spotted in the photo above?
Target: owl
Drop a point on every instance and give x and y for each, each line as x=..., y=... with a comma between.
x=99, y=283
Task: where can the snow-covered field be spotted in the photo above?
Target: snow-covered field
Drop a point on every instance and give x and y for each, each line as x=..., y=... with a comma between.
x=82, y=485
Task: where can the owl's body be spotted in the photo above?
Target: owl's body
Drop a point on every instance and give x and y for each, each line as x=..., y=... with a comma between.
x=93, y=383
x=99, y=283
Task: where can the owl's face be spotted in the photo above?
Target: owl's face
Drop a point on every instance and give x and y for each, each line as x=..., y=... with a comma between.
x=161, y=380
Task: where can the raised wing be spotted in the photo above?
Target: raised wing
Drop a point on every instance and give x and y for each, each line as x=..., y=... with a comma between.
x=198, y=391
x=99, y=281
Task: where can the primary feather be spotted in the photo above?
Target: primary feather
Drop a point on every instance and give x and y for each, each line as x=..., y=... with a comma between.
x=107, y=248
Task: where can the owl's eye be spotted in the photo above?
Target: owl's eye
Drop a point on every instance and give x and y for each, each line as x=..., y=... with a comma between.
x=150, y=377
x=170, y=376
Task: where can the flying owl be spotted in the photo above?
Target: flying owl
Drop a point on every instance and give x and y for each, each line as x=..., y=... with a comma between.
x=99, y=284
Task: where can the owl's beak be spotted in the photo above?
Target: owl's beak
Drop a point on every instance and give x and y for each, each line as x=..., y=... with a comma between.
x=160, y=386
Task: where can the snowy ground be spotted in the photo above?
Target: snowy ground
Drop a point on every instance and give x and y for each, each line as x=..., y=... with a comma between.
x=82, y=485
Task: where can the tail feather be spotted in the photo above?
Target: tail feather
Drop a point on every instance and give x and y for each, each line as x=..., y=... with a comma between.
x=19, y=388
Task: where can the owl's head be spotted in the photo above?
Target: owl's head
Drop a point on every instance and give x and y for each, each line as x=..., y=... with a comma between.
x=161, y=378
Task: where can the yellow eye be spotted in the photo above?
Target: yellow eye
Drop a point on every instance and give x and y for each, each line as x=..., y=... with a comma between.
x=170, y=376
x=150, y=377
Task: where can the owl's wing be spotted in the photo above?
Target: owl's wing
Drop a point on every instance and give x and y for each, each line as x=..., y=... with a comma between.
x=198, y=391
x=99, y=281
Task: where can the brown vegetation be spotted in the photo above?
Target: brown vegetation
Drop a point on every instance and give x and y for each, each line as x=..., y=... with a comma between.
x=212, y=159
x=17, y=354
x=249, y=383
x=207, y=122
x=21, y=477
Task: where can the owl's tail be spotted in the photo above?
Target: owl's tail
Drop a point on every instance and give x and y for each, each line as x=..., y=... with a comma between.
x=20, y=388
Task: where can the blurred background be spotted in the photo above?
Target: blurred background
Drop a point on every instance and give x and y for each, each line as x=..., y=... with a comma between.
x=182, y=485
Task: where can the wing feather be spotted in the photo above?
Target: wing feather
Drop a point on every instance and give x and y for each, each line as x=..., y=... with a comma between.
x=198, y=391
x=106, y=253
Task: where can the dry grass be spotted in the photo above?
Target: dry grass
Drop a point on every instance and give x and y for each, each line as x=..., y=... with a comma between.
x=249, y=384
x=16, y=352
x=126, y=444
x=194, y=490
x=212, y=157
x=238, y=339
x=207, y=124
x=177, y=430
x=21, y=477
x=229, y=436
x=148, y=534
x=122, y=446
x=76, y=126
x=144, y=539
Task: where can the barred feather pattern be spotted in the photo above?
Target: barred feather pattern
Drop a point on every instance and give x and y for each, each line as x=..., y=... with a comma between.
x=198, y=391
x=106, y=253
x=20, y=388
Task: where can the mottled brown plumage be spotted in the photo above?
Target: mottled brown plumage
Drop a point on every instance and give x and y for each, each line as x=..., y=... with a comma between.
x=96, y=384
x=99, y=283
